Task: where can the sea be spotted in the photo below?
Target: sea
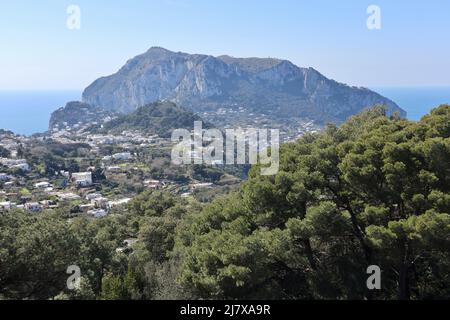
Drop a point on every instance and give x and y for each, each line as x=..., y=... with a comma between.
x=28, y=112
x=416, y=101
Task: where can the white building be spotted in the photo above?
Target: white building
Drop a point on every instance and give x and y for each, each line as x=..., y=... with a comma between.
x=8, y=185
x=153, y=184
x=33, y=207
x=48, y=204
x=114, y=169
x=123, y=156
x=127, y=245
x=197, y=186
x=5, y=206
x=21, y=166
x=15, y=163
x=65, y=173
x=92, y=196
x=43, y=185
x=82, y=179
x=97, y=213
x=121, y=202
x=100, y=202
x=67, y=196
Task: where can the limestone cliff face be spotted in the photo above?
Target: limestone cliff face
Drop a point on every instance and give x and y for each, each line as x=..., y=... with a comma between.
x=205, y=83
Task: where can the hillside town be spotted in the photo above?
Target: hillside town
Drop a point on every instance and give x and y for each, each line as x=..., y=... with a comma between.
x=94, y=174
x=240, y=116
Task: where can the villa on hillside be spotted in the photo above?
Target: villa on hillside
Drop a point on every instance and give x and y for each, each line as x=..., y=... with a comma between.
x=82, y=179
x=15, y=164
x=122, y=156
x=97, y=213
x=33, y=207
x=43, y=185
x=101, y=202
x=153, y=184
x=6, y=206
x=113, y=204
x=196, y=186
x=92, y=196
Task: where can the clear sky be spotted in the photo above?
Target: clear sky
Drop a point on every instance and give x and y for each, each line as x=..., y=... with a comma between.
x=412, y=48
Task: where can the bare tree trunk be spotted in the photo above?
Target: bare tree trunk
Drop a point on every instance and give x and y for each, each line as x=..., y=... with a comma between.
x=403, y=283
x=403, y=290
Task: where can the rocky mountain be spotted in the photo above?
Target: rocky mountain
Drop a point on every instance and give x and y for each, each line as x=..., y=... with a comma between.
x=203, y=83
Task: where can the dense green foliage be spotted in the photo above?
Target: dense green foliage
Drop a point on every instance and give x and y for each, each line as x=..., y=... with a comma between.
x=159, y=118
x=51, y=157
x=374, y=191
x=37, y=250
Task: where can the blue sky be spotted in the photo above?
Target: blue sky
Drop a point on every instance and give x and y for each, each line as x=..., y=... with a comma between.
x=411, y=49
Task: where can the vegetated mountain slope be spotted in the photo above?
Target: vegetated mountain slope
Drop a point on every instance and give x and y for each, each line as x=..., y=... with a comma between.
x=159, y=118
x=77, y=113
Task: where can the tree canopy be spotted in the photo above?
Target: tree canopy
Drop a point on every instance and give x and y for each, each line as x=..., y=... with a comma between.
x=374, y=191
